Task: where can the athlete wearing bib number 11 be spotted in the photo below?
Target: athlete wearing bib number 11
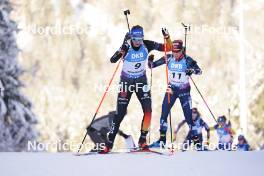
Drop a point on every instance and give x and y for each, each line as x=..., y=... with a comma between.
x=134, y=52
x=180, y=67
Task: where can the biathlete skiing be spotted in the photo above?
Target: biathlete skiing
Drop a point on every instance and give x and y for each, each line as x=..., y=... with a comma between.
x=180, y=67
x=134, y=52
x=195, y=135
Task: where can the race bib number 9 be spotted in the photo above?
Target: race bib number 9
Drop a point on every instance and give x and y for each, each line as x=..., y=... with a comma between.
x=134, y=67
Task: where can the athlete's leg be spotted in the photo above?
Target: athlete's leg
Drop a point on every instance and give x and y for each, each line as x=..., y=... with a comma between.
x=186, y=103
x=198, y=142
x=123, y=99
x=187, y=142
x=166, y=107
x=144, y=96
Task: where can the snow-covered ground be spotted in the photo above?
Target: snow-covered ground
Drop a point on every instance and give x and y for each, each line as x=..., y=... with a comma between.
x=180, y=164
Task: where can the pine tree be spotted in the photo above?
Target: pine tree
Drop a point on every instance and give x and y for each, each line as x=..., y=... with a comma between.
x=16, y=118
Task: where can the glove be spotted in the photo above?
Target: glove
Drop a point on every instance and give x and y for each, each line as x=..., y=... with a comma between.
x=165, y=33
x=127, y=36
x=116, y=56
x=189, y=72
x=124, y=47
x=150, y=61
x=151, y=58
x=169, y=90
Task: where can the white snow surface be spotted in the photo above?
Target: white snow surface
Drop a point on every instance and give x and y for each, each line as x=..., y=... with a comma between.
x=180, y=164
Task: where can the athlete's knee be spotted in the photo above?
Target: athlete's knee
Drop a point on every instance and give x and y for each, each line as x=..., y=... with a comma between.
x=147, y=108
x=122, y=101
x=164, y=112
x=118, y=118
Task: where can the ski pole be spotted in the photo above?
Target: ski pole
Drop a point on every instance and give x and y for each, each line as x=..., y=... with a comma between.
x=100, y=103
x=150, y=94
x=186, y=28
x=126, y=13
x=229, y=116
x=203, y=99
x=167, y=80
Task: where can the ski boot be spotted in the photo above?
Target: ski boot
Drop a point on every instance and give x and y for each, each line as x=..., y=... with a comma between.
x=159, y=143
x=142, y=142
x=108, y=147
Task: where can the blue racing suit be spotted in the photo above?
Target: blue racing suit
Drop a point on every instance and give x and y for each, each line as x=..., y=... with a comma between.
x=225, y=136
x=179, y=84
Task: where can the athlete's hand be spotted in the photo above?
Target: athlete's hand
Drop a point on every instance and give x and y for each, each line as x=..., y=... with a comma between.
x=124, y=47
x=127, y=37
x=189, y=72
x=150, y=61
x=169, y=90
x=165, y=33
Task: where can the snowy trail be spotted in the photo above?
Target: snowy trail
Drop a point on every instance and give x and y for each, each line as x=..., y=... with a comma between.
x=181, y=164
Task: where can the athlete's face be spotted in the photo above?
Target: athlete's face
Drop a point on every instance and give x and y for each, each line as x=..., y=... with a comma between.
x=241, y=141
x=177, y=53
x=194, y=115
x=137, y=41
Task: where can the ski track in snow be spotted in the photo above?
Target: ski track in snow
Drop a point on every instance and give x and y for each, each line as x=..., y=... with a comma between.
x=180, y=164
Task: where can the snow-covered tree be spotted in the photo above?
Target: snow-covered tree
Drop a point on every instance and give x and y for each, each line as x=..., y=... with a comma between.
x=16, y=118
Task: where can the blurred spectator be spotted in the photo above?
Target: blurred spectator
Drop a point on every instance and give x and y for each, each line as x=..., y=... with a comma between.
x=224, y=132
x=242, y=144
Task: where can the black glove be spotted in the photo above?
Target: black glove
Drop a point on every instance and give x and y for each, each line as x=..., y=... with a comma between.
x=150, y=61
x=127, y=37
x=116, y=57
x=125, y=47
x=189, y=72
x=165, y=33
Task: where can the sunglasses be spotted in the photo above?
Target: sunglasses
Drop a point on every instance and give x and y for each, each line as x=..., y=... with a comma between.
x=137, y=39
